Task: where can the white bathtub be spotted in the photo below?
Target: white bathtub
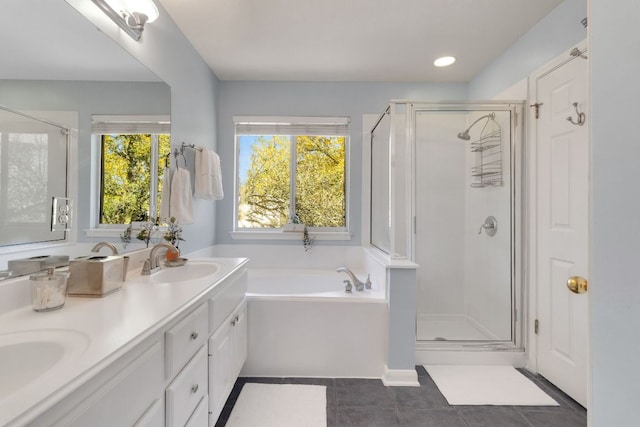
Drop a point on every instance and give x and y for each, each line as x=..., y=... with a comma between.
x=303, y=324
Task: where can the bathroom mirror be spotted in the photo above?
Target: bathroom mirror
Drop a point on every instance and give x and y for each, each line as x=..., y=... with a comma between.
x=61, y=63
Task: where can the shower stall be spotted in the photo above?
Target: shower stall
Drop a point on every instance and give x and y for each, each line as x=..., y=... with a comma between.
x=446, y=195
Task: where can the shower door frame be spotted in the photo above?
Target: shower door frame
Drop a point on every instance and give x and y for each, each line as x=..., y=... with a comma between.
x=518, y=316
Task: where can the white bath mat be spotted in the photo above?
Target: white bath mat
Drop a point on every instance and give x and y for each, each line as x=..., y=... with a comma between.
x=487, y=385
x=280, y=405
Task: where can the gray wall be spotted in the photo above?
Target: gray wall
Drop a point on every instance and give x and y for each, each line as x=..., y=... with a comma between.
x=555, y=33
x=312, y=99
x=86, y=98
x=615, y=221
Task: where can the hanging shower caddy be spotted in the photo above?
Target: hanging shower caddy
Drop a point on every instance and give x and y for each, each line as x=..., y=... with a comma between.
x=487, y=171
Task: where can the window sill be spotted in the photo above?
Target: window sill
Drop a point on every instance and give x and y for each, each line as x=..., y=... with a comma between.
x=289, y=235
x=104, y=232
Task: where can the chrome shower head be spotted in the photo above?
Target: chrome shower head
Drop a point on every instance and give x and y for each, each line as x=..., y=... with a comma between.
x=464, y=135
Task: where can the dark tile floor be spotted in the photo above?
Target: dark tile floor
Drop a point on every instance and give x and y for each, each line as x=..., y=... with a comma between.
x=368, y=403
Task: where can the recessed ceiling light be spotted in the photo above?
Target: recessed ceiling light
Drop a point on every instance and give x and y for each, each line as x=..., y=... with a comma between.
x=444, y=61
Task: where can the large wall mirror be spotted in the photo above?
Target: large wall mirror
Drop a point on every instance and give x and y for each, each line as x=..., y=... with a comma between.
x=60, y=67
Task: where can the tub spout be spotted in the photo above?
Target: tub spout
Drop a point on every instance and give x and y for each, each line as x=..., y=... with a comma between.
x=356, y=282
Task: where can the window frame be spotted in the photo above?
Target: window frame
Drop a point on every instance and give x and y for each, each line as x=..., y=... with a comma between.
x=292, y=127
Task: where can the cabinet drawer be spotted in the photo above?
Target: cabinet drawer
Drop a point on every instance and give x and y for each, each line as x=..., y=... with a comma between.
x=222, y=304
x=185, y=338
x=200, y=417
x=187, y=390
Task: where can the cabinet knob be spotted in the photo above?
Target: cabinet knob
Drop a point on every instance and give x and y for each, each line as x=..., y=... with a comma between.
x=194, y=335
x=194, y=388
x=233, y=322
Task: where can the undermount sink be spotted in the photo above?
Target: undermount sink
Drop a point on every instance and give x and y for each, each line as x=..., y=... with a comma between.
x=27, y=355
x=192, y=270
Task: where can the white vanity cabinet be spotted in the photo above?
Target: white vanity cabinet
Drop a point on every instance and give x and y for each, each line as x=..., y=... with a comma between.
x=178, y=372
x=228, y=343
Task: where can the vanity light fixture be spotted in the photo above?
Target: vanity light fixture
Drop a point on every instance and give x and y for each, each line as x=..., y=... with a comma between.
x=130, y=15
x=444, y=61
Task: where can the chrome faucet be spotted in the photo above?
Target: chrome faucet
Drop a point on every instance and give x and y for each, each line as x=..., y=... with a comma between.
x=151, y=265
x=100, y=245
x=356, y=282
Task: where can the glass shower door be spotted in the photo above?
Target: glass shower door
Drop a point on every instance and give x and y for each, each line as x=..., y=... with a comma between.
x=464, y=214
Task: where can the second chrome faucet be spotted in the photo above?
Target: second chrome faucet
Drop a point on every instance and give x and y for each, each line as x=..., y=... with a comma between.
x=152, y=264
x=360, y=286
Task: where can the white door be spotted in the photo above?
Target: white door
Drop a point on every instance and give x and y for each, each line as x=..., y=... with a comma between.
x=562, y=232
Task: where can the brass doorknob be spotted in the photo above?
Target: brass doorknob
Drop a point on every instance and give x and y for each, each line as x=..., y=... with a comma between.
x=577, y=284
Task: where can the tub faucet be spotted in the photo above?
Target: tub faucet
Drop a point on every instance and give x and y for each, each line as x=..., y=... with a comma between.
x=356, y=282
x=151, y=265
x=100, y=245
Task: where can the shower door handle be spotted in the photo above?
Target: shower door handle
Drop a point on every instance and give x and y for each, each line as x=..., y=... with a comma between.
x=490, y=226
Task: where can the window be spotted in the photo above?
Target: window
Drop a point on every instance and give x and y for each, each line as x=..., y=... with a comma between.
x=291, y=170
x=131, y=170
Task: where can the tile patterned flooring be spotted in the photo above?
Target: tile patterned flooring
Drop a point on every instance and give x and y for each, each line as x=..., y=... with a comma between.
x=368, y=403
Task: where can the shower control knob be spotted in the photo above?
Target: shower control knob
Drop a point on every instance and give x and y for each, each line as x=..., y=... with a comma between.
x=490, y=226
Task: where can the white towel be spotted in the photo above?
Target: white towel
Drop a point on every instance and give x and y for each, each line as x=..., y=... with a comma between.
x=165, y=195
x=181, y=202
x=208, y=174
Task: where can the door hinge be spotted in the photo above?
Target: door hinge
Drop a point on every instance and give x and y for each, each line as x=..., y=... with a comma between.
x=537, y=108
x=536, y=326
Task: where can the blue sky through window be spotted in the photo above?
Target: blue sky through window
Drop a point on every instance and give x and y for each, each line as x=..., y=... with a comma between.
x=244, y=157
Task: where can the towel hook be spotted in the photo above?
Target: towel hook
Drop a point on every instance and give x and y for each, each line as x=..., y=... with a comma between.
x=581, y=117
x=177, y=153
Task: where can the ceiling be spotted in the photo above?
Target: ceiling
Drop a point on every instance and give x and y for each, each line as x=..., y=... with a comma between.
x=353, y=40
x=58, y=43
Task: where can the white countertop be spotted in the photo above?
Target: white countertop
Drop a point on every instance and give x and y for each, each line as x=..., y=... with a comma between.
x=102, y=330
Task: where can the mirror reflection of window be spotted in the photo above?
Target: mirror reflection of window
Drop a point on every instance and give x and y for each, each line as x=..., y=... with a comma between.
x=133, y=150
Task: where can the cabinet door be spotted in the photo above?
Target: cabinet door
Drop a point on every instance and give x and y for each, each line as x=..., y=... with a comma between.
x=239, y=335
x=125, y=397
x=221, y=368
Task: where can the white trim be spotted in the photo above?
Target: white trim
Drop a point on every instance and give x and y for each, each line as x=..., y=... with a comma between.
x=290, y=119
x=400, y=377
x=130, y=124
x=289, y=235
x=104, y=232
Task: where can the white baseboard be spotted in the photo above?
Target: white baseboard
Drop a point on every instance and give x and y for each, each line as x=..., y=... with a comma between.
x=400, y=377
